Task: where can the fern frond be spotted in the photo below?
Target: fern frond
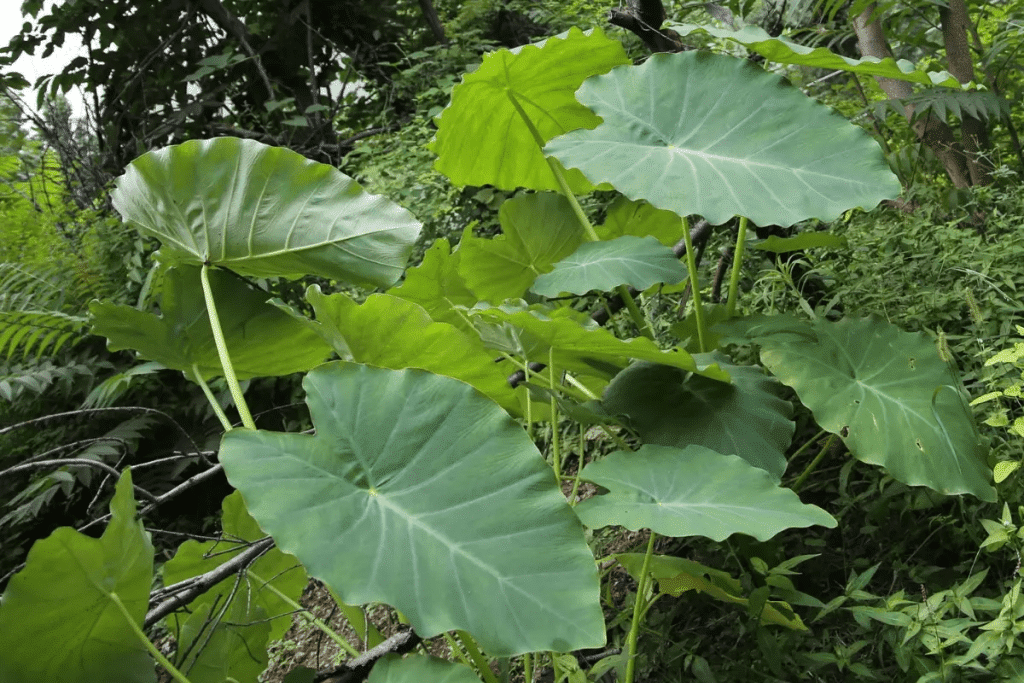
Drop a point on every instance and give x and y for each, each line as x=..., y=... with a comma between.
x=37, y=288
x=106, y=393
x=39, y=331
x=942, y=102
x=16, y=380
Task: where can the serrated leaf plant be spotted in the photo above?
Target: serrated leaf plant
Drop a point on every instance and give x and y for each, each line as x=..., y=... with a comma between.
x=420, y=488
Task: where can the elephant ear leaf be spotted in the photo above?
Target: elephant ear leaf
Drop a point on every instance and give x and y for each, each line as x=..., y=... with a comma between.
x=60, y=619
x=542, y=78
x=887, y=393
x=720, y=137
x=264, y=212
x=423, y=481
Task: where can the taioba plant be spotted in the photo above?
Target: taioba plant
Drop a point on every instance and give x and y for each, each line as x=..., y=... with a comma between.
x=419, y=488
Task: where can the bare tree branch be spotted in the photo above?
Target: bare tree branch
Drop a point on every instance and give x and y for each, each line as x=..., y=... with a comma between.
x=187, y=591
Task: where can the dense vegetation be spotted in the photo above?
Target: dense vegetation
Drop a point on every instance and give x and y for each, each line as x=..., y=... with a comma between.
x=526, y=340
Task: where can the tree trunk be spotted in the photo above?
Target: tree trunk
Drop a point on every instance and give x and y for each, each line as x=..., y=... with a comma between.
x=955, y=24
x=644, y=18
x=930, y=130
x=436, y=27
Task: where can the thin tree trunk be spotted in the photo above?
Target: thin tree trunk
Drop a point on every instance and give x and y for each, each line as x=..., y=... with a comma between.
x=955, y=24
x=436, y=27
x=930, y=130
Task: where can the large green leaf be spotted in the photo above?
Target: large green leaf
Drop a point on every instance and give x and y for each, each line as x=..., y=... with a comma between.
x=539, y=231
x=677, y=575
x=639, y=218
x=394, y=333
x=263, y=211
x=602, y=266
x=706, y=134
x=435, y=284
x=887, y=393
x=482, y=140
x=419, y=492
x=692, y=491
x=235, y=644
x=784, y=51
x=57, y=619
x=591, y=351
x=262, y=341
x=417, y=669
x=667, y=407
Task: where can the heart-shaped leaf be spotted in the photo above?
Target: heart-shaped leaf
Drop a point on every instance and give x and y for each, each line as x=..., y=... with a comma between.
x=389, y=332
x=667, y=407
x=887, y=393
x=699, y=133
x=235, y=644
x=602, y=266
x=418, y=669
x=591, y=351
x=263, y=211
x=435, y=284
x=433, y=501
x=58, y=621
x=539, y=231
x=262, y=341
x=481, y=138
x=784, y=51
x=692, y=491
x=640, y=219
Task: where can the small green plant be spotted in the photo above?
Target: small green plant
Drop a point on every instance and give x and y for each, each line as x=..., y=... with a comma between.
x=420, y=488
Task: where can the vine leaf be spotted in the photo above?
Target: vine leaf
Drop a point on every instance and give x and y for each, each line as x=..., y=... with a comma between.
x=440, y=505
x=262, y=340
x=699, y=133
x=482, y=140
x=264, y=212
x=57, y=619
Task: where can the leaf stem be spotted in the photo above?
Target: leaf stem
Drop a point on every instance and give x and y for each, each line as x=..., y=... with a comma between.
x=146, y=642
x=217, y=410
x=691, y=266
x=367, y=633
x=638, y=608
x=556, y=170
x=814, y=463
x=222, y=351
x=737, y=262
x=579, y=467
x=328, y=631
x=810, y=442
x=456, y=650
x=634, y=311
x=556, y=454
x=478, y=659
